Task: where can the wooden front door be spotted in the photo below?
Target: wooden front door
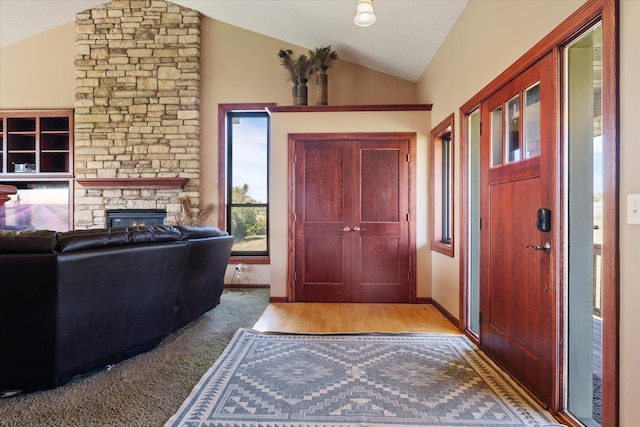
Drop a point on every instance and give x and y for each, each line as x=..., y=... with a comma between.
x=352, y=218
x=518, y=158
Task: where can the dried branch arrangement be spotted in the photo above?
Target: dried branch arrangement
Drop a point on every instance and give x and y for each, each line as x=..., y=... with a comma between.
x=190, y=217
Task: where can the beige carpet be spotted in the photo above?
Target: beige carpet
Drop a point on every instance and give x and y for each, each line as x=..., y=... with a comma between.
x=147, y=389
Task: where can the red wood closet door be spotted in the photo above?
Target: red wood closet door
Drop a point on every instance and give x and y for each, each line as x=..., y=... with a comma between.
x=351, y=209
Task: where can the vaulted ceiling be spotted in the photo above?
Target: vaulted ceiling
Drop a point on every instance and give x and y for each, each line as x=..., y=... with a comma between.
x=402, y=41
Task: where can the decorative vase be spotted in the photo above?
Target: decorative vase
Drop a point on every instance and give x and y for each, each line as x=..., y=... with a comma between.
x=322, y=88
x=294, y=93
x=301, y=92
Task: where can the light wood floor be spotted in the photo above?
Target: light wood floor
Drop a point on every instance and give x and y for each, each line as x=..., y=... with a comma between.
x=344, y=317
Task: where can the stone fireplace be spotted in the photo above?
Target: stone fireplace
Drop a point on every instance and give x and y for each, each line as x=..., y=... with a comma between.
x=137, y=124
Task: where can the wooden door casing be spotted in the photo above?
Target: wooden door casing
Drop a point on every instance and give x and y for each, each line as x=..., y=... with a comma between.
x=362, y=182
x=517, y=286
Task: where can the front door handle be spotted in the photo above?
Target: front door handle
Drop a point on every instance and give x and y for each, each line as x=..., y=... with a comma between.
x=546, y=246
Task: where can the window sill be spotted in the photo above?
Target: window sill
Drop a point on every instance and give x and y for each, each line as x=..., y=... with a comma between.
x=443, y=248
x=246, y=259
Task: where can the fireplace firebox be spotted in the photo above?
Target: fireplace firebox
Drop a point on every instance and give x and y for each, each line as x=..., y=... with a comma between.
x=122, y=217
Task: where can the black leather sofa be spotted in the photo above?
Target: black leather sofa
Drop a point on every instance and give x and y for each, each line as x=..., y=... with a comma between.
x=74, y=302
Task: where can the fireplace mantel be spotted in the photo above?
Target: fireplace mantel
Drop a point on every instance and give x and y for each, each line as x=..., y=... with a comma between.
x=5, y=191
x=101, y=183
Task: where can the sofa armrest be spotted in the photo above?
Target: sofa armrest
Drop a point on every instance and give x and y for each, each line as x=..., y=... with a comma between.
x=28, y=317
x=203, y=280
x=112, y=301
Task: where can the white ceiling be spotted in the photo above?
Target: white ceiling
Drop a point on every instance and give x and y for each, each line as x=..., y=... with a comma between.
x=402, y=41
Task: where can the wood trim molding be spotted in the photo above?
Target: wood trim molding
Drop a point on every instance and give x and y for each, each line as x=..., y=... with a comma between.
x=611, y=203
x=246, y=286
x=463, y=238
x=350, y=108
x=102, y=183
x=249, y=259
x=445, y=313
x=291, y=224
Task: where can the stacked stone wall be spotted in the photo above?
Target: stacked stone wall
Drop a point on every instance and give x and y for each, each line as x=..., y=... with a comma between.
x=136, y=105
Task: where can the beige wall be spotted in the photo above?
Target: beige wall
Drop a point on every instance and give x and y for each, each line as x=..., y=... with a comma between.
x=462, y=67
x=240, y=66
x=237, y=66
x=39, y=72
x=284, y=123
x=629, y=234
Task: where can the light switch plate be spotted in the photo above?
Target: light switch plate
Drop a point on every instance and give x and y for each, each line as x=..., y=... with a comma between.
x=633, y=208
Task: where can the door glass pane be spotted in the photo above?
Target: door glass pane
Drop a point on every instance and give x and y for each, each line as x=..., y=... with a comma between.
x=513, y=129
x=496, y=137
x=532, y=121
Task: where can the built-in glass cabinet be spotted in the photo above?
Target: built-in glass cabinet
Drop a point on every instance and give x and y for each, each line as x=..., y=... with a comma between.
x=37, y=142
x=36, y=151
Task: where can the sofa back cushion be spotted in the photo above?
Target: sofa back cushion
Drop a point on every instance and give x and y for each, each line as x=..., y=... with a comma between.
x=27, y=241
x=153, y=234
x=199, y=231
x=115, y=236
x=77, y=240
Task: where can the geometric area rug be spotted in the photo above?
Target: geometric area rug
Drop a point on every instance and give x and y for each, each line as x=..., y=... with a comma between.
x=286, y=380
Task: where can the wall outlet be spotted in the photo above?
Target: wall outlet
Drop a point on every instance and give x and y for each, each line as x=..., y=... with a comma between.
x=633, y=208
x=239, y=269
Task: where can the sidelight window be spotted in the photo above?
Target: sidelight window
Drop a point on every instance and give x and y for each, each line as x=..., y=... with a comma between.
x=442, y=187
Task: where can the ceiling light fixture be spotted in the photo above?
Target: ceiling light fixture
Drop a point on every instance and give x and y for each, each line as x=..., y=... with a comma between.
x=364, y=13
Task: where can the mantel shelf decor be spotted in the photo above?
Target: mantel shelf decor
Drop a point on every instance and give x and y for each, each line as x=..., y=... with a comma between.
x=322, y=57
x=132, y=182
x=300, y=69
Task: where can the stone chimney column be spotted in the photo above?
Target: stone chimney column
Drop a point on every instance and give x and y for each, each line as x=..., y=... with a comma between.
x=137, y=105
